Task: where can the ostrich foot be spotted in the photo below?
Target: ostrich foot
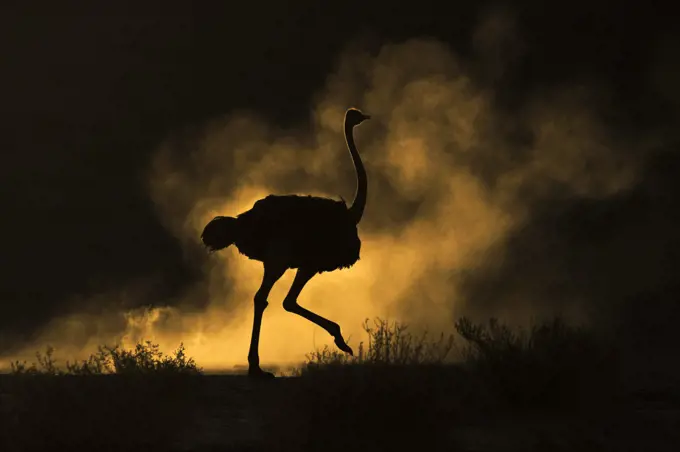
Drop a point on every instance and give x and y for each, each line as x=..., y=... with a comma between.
x=340, y=342
x=259, y=374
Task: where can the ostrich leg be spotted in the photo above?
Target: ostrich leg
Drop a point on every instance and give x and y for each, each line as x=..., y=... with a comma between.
x=290, y=304
x=272, y=273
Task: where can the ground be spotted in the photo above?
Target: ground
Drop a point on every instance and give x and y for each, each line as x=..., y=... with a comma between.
x=343, y=410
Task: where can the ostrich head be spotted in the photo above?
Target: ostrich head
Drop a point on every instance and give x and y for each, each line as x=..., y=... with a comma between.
x=354, y=117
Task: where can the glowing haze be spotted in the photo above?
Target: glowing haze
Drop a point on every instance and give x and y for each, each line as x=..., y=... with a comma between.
x=448, y=179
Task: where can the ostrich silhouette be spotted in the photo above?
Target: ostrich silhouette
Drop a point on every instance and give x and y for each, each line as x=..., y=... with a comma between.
x=312, y=234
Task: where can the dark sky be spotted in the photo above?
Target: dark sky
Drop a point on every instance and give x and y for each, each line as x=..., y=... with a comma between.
x=88, y=93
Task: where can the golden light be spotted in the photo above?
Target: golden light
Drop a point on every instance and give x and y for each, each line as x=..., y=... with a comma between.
x=433, y=129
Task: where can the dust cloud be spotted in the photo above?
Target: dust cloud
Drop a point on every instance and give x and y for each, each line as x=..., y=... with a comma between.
x=451, y=175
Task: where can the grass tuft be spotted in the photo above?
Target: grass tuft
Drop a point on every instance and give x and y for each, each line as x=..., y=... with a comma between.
x=389, y=343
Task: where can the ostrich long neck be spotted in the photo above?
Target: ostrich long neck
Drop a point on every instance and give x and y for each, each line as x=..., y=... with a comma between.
x=359, y=203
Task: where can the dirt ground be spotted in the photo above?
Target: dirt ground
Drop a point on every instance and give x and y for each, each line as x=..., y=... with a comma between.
x=232, y=413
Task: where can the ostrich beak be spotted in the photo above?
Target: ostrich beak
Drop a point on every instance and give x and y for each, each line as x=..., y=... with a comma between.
x=367, y=116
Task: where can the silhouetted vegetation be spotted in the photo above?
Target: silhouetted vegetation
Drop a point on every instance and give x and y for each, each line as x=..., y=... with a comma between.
x=145, y=358
x=112, y=400
x=388, y=344
x=402, y=387
x=552, y=366
x=549, y=386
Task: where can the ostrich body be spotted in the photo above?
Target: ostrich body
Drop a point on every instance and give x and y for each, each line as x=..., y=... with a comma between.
x=311, y=234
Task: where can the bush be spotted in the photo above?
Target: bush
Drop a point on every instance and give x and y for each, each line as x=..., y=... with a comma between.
x=389, y=344
x=114, y=400
x=145, y=358
x=552, y=366
x=402, y=390
x=386, y=394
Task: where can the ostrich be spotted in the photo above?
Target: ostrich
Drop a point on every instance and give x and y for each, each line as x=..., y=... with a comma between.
x=312, y=234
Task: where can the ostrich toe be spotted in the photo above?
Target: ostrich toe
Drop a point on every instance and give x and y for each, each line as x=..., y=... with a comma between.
x=259, y=374
x=340, y=342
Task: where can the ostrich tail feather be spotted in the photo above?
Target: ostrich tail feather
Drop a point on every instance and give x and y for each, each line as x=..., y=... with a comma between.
x=219, y=233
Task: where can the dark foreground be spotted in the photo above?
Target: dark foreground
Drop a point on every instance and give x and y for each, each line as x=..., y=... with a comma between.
x=344, y=409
